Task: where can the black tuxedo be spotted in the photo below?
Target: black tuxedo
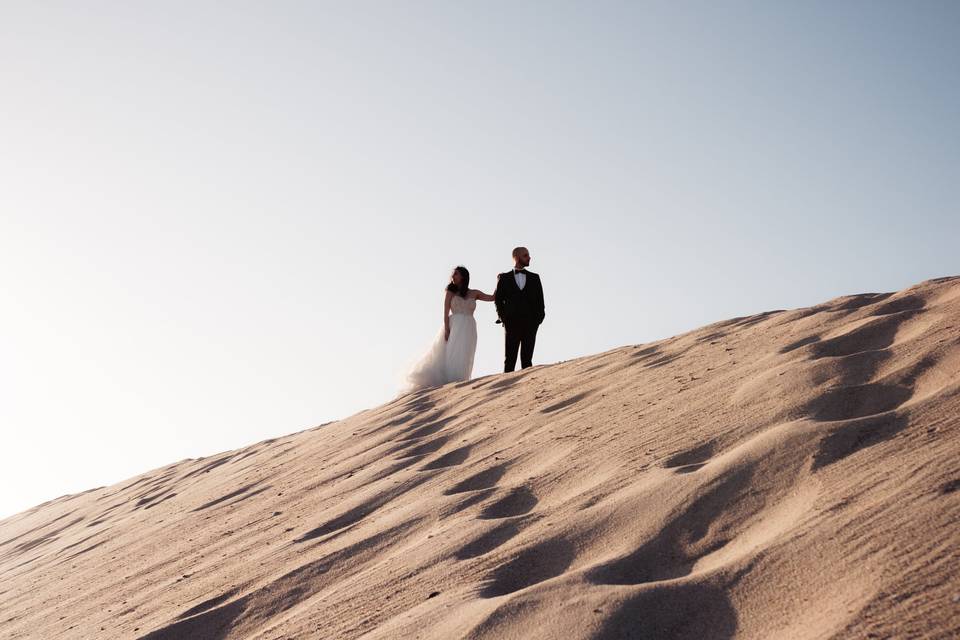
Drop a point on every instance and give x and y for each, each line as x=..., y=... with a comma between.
x=521, y=311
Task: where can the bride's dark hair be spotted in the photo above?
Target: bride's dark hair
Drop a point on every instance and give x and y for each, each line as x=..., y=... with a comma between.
x=464, y=282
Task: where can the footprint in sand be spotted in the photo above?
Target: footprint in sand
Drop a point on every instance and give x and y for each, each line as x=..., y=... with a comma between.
x=519, y=501
x=426, y=426
x=857, y=401
x=681, y=611
x=563, y=404
x=542, y=561
x=362, y=510
x=431, y=446
x=476, y=498
x=490, y=540
x=481, y=485
x=692, y=459
x=482, y=480
x=450, y=459
x=850, y=437
x=875, y=334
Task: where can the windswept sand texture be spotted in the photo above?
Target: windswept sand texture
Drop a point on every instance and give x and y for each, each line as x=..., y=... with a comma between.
x=792, y=474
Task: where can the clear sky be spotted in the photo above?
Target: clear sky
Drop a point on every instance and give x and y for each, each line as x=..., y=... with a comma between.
x=223, y=222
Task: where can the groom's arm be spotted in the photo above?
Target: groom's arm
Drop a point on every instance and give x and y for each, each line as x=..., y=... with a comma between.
x=498, y=297
x=541, y=306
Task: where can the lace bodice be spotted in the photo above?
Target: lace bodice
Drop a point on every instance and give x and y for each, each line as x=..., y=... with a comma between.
x=465, y=306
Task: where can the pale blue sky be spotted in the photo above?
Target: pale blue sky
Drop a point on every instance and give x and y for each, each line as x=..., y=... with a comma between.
x=225, y=222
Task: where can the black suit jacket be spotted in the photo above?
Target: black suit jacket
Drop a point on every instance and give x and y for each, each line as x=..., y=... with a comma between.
x=519, y=305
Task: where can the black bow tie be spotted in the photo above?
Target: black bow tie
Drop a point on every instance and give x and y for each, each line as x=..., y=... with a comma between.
x=519, y=270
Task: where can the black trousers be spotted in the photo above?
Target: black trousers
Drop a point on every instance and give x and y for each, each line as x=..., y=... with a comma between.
x=519, y=336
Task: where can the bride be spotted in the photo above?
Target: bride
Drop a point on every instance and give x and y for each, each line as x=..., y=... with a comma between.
x=450, y=357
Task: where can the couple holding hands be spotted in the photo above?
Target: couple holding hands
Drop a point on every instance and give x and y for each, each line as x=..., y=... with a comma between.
x=519, y=301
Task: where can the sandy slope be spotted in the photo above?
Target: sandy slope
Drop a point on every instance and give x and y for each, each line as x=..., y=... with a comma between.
x=793, y=474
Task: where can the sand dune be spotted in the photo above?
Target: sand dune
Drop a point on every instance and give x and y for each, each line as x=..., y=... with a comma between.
x=792, y=474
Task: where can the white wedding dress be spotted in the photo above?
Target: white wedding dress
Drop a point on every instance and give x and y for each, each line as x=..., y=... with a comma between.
x=449, y=360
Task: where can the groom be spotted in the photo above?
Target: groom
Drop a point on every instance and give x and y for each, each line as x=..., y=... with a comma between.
x=519, y=300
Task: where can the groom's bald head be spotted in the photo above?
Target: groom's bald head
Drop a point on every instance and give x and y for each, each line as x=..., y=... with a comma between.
x=521, y=256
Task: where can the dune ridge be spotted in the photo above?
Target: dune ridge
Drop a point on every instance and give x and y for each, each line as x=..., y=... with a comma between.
x=792, y=474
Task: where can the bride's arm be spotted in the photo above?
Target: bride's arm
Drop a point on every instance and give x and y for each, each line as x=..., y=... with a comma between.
x=480, y=295
x=446, y=314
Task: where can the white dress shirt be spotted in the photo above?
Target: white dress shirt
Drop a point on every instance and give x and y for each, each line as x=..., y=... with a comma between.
x=521, y=279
